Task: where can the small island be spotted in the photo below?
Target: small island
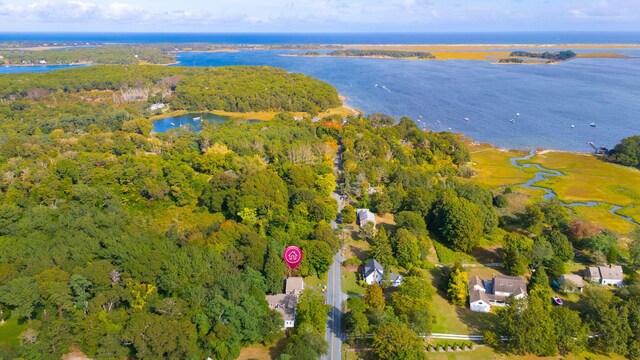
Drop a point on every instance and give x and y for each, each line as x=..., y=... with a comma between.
x=386, y=54
x=522, y=57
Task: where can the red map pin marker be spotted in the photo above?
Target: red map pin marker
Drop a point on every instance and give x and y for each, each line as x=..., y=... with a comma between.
x=292, y=256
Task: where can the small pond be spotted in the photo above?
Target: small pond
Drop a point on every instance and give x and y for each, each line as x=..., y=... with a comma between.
x=190, y=121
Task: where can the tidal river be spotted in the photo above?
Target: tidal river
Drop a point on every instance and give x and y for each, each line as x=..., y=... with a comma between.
x=544, y=174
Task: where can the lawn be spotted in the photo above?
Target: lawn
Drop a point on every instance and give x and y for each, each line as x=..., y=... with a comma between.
x=10, y=330
x=350, y=284
x=262, y=352
x=359, y=249
x=448, y=256
x=485, y=352
x=315, y=282
x=453, y=319
x=589, y=178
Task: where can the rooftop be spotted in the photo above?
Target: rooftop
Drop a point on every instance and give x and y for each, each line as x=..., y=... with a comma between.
x=294, y=286
x=285, y=304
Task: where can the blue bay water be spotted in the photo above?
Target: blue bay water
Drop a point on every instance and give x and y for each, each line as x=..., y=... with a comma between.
x=549, y=98
x=33, y=69
x=338, y=38
x=441, y=94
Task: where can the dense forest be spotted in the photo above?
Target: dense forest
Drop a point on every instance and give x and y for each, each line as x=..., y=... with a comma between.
x=113, y=97
x=125, y=244
x=511, y=61
x=553, y=56
x=114, y=55
x=627, y=152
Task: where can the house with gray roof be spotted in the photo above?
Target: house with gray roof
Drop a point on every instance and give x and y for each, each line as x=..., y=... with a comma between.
x=486, y=293
x=365, y=216
x=396, y=279
x=286, y=303
x=605, y=274
x=372, y=272
x=571, y=282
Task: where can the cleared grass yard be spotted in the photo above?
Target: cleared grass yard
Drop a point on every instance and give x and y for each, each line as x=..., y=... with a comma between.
x=350, y=284
x=453, y=319
x=10, y=330
x=485, y=352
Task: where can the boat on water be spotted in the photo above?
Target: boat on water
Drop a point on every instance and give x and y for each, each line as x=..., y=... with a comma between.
x=517, y=114
x=466, y=119
x=593, y=125
x=573, y=126
x=173, y=124
x=197, y=118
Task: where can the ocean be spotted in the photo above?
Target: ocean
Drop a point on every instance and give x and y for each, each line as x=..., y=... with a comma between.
x=557, y=104
x=611, y=37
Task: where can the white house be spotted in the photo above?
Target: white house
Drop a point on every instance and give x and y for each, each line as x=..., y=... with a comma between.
x=156, y=106
x=485, y=293
x=606, y=274
x=479, y=301
x=396, y=279
x=365, y=216
x=373, y=272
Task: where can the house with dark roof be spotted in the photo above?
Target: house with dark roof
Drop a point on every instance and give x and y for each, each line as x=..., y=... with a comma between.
x=486, y=293
x=372, y=272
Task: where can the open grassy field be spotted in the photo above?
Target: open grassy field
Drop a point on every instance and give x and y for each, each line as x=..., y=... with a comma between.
x=470, y=55
x=632, y=211
x=262, y=352
x=585, y=178
x=10, y=330
x=602, y=216
x=350, y=284
x=589, y=178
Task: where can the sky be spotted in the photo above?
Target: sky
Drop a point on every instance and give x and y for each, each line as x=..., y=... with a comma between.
x=318, y=15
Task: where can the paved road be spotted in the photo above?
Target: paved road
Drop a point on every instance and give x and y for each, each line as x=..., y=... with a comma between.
x=334, y=284
x=334, y=299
